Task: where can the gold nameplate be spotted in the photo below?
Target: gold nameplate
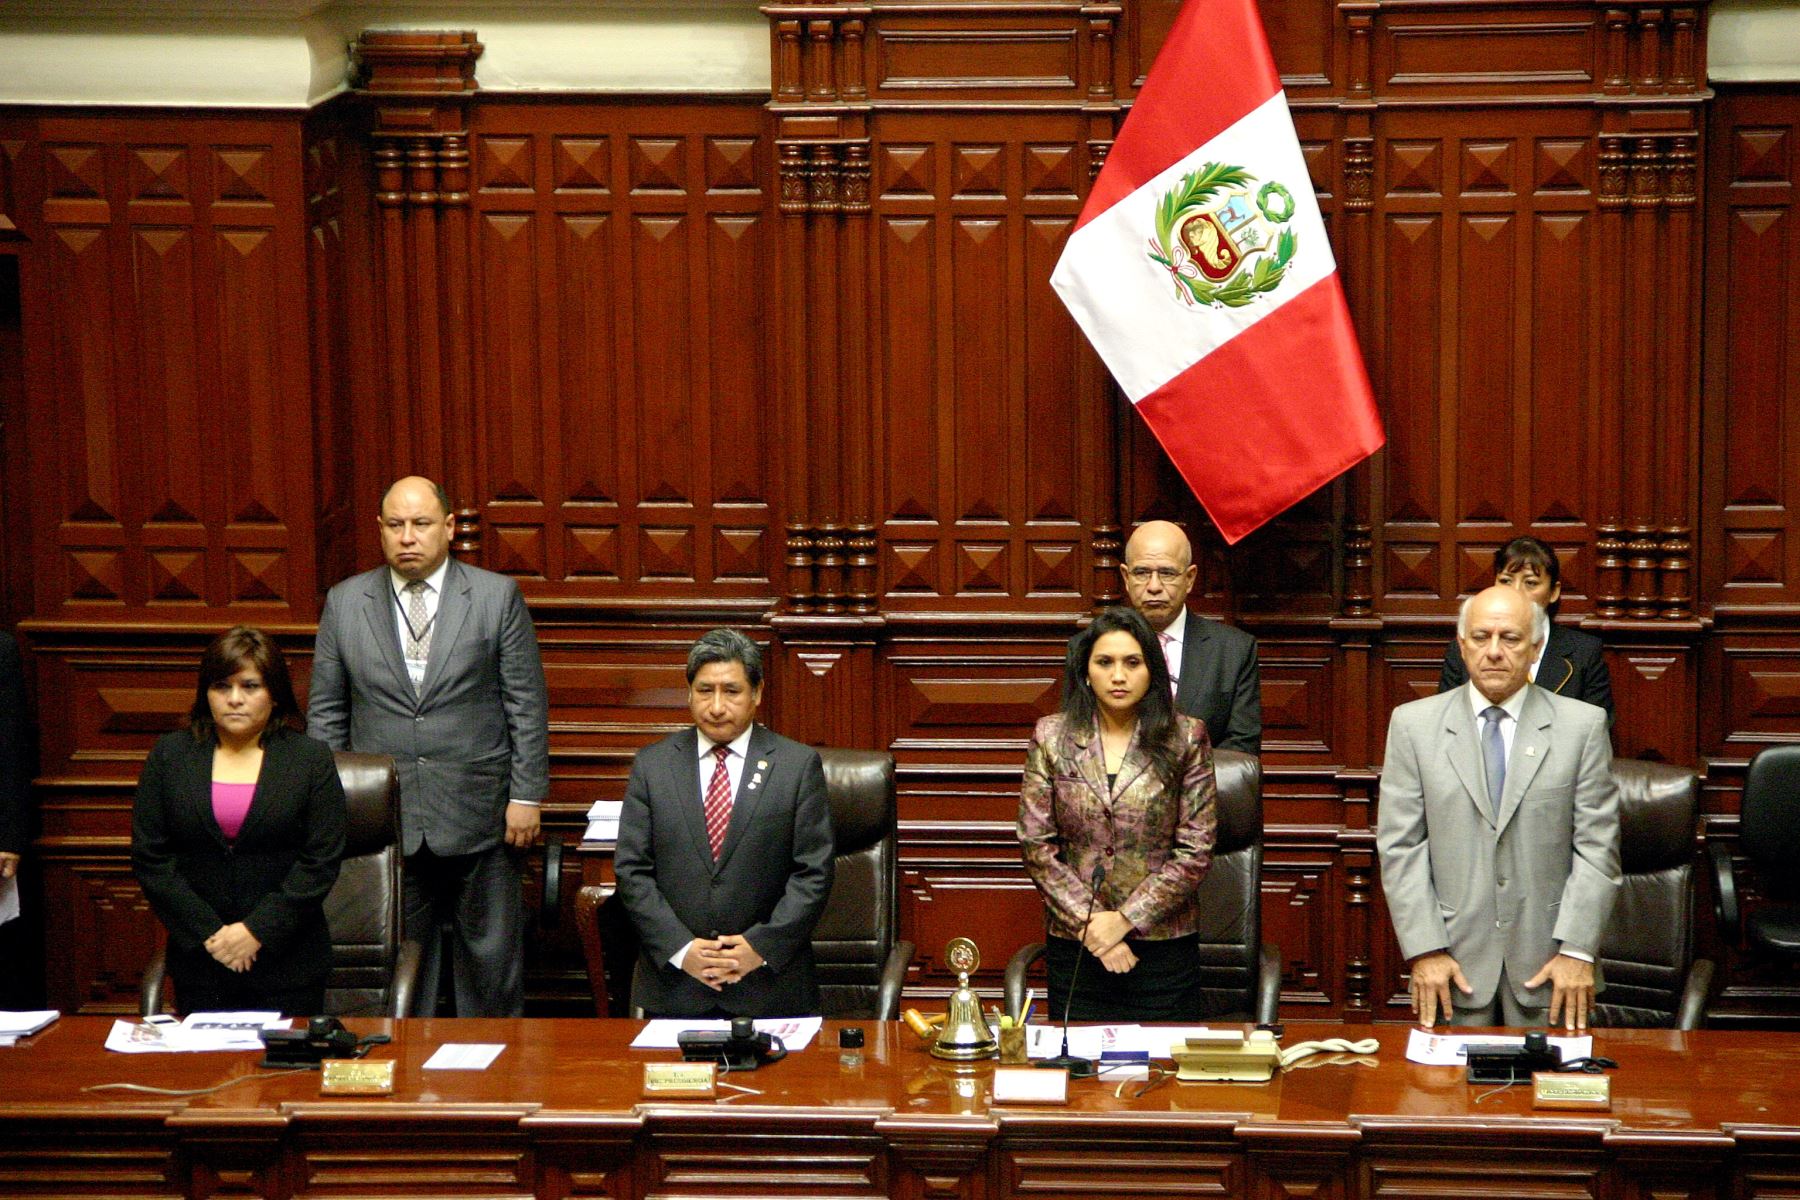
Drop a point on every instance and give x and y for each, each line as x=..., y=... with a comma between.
x=680, y=1079
x=356, y=1077
x=1552, y=1089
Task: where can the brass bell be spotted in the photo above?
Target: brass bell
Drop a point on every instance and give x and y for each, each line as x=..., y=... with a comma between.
x=965, y=1035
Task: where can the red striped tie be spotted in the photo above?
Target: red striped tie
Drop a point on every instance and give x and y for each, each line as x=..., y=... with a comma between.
x=718, y=801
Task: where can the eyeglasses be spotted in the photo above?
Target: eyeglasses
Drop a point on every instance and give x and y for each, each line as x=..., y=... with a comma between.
x=1146, y=574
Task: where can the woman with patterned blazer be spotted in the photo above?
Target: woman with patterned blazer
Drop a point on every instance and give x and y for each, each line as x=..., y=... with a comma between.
x=1116, y=819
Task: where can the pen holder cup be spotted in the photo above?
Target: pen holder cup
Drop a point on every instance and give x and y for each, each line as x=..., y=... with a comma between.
x=1012, y=1045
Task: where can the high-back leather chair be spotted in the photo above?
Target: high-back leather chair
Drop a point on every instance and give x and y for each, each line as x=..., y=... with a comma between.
x=1769, y=839
x=1239, y=975
x=373, y=969
x=1647, y=953
x=860, y=958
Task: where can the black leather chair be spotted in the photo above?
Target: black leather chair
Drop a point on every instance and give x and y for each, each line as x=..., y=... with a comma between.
x=373, y=969
x=1769, y=839
x=1647, y=954
x=1240, y=975
x=861, y=960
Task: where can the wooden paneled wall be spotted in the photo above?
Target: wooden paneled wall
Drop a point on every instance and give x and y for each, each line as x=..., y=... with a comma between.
x=791, y=361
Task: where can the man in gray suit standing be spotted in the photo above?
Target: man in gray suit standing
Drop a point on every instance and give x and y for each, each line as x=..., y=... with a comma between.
x=724, y=858
x=1499, y=833
x=1211, y=666
x=435, y=663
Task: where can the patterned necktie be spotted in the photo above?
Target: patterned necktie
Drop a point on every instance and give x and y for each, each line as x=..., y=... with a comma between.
x=418, y=624
x=1493, y=753
x=718, y=801
x=1174, y=676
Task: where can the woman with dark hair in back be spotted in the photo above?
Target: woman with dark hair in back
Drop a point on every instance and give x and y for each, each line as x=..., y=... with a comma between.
x=1119, y=787
x=236, y=836
x=1571, y=663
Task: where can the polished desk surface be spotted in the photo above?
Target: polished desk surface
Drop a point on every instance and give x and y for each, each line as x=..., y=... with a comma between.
x=1680, y=1085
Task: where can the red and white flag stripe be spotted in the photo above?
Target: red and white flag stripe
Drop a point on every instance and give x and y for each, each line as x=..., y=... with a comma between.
x=1201, y=272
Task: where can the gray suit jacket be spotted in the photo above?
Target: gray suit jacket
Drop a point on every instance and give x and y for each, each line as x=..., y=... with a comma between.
x=1507, y=884
x=770, y=884
x=1221, y=684
x=476, y=735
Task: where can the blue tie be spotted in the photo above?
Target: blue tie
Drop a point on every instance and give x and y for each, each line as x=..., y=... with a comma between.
x=1493, y=753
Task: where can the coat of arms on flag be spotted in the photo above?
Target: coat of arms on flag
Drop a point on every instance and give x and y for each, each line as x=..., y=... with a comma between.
x=1221, y=244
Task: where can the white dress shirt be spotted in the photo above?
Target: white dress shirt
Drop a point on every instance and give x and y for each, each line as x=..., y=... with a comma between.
x=737, y=748
x=434, y=590
x=1176, y=637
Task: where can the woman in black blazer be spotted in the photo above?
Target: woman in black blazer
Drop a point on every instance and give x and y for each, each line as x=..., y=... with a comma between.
x=1573, y=664
x=236, y=836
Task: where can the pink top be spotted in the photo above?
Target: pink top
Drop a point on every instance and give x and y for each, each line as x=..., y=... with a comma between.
x=231, y=803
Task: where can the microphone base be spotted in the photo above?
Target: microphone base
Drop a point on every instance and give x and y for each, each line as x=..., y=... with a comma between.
x=1078, y=1068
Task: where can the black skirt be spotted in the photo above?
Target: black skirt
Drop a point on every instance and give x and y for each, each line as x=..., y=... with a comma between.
x=1164, y=986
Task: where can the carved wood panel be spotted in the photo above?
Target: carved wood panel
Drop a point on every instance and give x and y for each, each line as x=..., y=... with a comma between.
x=156, y=238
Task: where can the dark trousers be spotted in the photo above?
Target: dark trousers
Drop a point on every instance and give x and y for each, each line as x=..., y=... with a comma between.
x=481, y=897
x=1164, y=986
x=228, y=991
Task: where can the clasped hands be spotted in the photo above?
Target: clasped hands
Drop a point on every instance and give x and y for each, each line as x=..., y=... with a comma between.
x=1104, y=938
x=1571, y=988
x=716, y=962
x=234, y=946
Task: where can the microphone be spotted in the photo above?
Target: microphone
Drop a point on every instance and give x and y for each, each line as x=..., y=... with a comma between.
x=1078, y=1068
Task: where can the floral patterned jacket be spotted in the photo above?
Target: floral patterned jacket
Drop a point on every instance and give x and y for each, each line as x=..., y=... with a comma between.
x=1156, y=845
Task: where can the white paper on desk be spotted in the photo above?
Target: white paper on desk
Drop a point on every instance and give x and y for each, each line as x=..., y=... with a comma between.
x=464, y=1056
x=198, y=1033
x=1085, y=1041
x=1449, y=1049
x=24, y=1024
x=9, y=898
x=796, y=1033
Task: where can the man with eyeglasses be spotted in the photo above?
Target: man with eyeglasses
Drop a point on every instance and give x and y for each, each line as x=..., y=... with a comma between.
x=1212, y=667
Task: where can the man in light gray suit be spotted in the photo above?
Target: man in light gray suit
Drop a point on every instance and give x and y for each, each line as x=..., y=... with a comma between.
x=435, y=663
x=725, y=852
x=1499, y=833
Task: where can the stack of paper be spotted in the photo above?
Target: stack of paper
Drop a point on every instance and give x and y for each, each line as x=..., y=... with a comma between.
x=16, y=1025
x=603, y=821
x=198, y=1031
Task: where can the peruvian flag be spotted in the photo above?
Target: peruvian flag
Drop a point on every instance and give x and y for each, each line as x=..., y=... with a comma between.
x=1201, y=272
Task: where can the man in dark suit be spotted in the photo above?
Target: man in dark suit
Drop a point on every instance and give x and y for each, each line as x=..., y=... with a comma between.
x=19, y=987
x=435, y=662
x=15, y=775
x=1211, y=666
x=724, y=858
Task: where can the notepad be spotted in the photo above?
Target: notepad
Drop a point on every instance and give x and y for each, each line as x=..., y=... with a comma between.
x=16, y=1025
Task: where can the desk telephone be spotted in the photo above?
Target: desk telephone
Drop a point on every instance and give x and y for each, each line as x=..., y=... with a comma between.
x=323, y=1038
x=741, y=1048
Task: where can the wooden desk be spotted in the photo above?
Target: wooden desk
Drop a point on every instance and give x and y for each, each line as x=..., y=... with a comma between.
x=1708, y=1114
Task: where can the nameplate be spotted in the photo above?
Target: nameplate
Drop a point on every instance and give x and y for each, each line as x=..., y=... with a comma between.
x=1030, y=1085
x=1552, y=1089
x=356, y=1077
x=680, y=1079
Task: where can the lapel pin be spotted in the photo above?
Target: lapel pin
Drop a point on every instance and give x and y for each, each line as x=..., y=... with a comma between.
x=754, y=780
x=762, y=764
x=1531, y=752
